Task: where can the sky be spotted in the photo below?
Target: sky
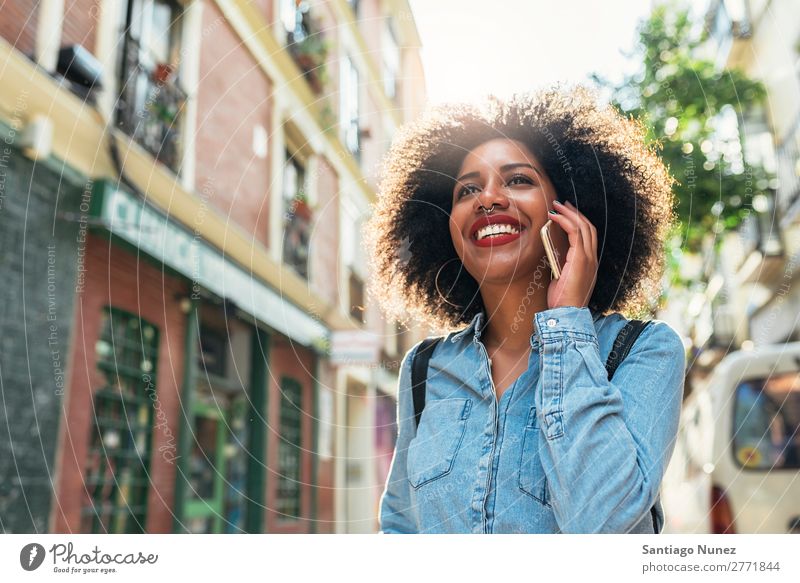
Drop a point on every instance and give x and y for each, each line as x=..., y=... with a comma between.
x=472, y=48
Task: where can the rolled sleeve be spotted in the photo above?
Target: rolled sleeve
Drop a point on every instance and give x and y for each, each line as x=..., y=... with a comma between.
x=607, y=443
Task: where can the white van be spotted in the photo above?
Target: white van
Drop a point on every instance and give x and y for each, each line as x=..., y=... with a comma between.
x=736, y=463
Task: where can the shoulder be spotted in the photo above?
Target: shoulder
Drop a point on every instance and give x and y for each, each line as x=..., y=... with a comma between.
x=657, y=335
x=408, y=359
x=418, y=346
x=660, y=333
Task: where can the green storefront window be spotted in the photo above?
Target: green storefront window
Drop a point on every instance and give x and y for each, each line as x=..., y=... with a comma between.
x=289, y=451
x=117, y=471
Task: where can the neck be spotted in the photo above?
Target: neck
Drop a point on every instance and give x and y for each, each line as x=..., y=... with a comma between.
x=510, y=309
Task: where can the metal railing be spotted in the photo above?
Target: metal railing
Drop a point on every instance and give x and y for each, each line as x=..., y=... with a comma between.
x=150, y=107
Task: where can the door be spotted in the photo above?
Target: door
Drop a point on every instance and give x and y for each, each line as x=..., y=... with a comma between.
x=206, y=469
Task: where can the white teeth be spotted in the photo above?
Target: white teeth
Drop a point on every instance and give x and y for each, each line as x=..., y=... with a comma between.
x=496, y=229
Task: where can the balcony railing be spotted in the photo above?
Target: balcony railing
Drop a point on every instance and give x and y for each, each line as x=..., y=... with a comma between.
x=309, y=54
x=788, y=155
x=306, y=44
x=297, y=229
x=151, y=104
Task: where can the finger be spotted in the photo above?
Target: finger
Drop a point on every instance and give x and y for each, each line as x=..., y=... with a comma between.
x=570, y=227
x=584, y=236
x=587, y=231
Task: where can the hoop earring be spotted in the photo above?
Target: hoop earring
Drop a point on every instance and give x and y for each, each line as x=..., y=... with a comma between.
x=436, y=282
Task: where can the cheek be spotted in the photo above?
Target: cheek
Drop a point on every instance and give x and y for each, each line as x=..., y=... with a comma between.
x=456, y=226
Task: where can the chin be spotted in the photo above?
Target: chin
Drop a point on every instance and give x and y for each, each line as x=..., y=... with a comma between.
x=503, y=273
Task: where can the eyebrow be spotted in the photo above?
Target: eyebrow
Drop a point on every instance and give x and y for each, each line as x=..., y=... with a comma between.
x=502, y=169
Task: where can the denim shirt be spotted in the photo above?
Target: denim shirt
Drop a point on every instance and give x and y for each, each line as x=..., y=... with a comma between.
x=563, y=450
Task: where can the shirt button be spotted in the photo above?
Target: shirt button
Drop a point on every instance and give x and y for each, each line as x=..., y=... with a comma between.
x=551, y=322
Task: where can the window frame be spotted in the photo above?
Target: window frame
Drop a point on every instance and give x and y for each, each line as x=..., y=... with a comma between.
x=103, y=399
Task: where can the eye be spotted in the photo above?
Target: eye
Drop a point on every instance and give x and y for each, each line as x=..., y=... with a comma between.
x=517, y=177
x=465, y=189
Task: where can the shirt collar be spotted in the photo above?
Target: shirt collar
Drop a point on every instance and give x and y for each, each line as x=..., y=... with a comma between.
x=477, y=325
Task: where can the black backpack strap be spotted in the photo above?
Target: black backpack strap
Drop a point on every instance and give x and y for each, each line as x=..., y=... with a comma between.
x=655, y=520
x=623, y=343
x=419, y=374
x=622, y=346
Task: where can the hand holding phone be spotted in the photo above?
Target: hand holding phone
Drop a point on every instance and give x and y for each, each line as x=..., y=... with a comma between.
x=572, y=243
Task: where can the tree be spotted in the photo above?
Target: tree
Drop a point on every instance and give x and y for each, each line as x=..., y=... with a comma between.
x=693, y=113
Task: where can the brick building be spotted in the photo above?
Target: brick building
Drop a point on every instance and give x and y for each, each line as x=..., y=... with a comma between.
x=182, y=182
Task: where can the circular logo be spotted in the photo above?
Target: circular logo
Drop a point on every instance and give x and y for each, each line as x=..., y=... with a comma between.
x=749, y=456
x=31, y=556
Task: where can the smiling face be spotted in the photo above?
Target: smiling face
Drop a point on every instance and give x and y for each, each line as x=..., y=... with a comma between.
x=503, y=172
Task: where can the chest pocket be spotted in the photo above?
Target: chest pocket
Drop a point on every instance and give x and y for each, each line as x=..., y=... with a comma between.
x=532, y=480
x=433, y=450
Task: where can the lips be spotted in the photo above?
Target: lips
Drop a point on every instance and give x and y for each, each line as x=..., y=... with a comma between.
x=494, y=220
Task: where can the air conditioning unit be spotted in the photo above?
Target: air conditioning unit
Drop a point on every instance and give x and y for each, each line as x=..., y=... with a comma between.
x=81, y=69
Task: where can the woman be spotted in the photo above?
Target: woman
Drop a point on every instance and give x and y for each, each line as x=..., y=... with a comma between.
x=522, y=432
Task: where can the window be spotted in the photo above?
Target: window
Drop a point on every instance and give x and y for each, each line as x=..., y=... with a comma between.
x=348, y=107
x=767, y=423
x=297, y=215
x=356, y=289
x=151, y=102
x=391, y=61
x=212, y=354
x=294, y=16
x=289, y=450
x=353, y=256
x=119, y=450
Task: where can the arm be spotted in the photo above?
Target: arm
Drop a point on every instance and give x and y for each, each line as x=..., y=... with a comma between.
x=396, y=514
x=607, y=444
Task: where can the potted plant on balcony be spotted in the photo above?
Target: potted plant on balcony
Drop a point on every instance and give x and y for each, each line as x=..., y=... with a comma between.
x=310, y=55
x=301, y=207
x=163, y=72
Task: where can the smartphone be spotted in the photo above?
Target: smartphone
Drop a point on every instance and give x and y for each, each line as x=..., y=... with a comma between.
x=556, y=245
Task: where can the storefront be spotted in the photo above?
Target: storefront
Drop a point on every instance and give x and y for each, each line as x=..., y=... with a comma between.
x=192, y=390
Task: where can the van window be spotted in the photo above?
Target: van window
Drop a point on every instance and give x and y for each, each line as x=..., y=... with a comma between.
x=766, y=424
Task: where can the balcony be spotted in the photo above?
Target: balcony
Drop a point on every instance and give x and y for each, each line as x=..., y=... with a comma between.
x=150, y=108
x=306, y=43
x=297, y=230
x=761, y=232
x=729, y=25
x=310, y=55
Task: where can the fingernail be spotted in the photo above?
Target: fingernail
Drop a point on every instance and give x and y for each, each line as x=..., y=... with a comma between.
x=552, y=212
x=557, y=202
